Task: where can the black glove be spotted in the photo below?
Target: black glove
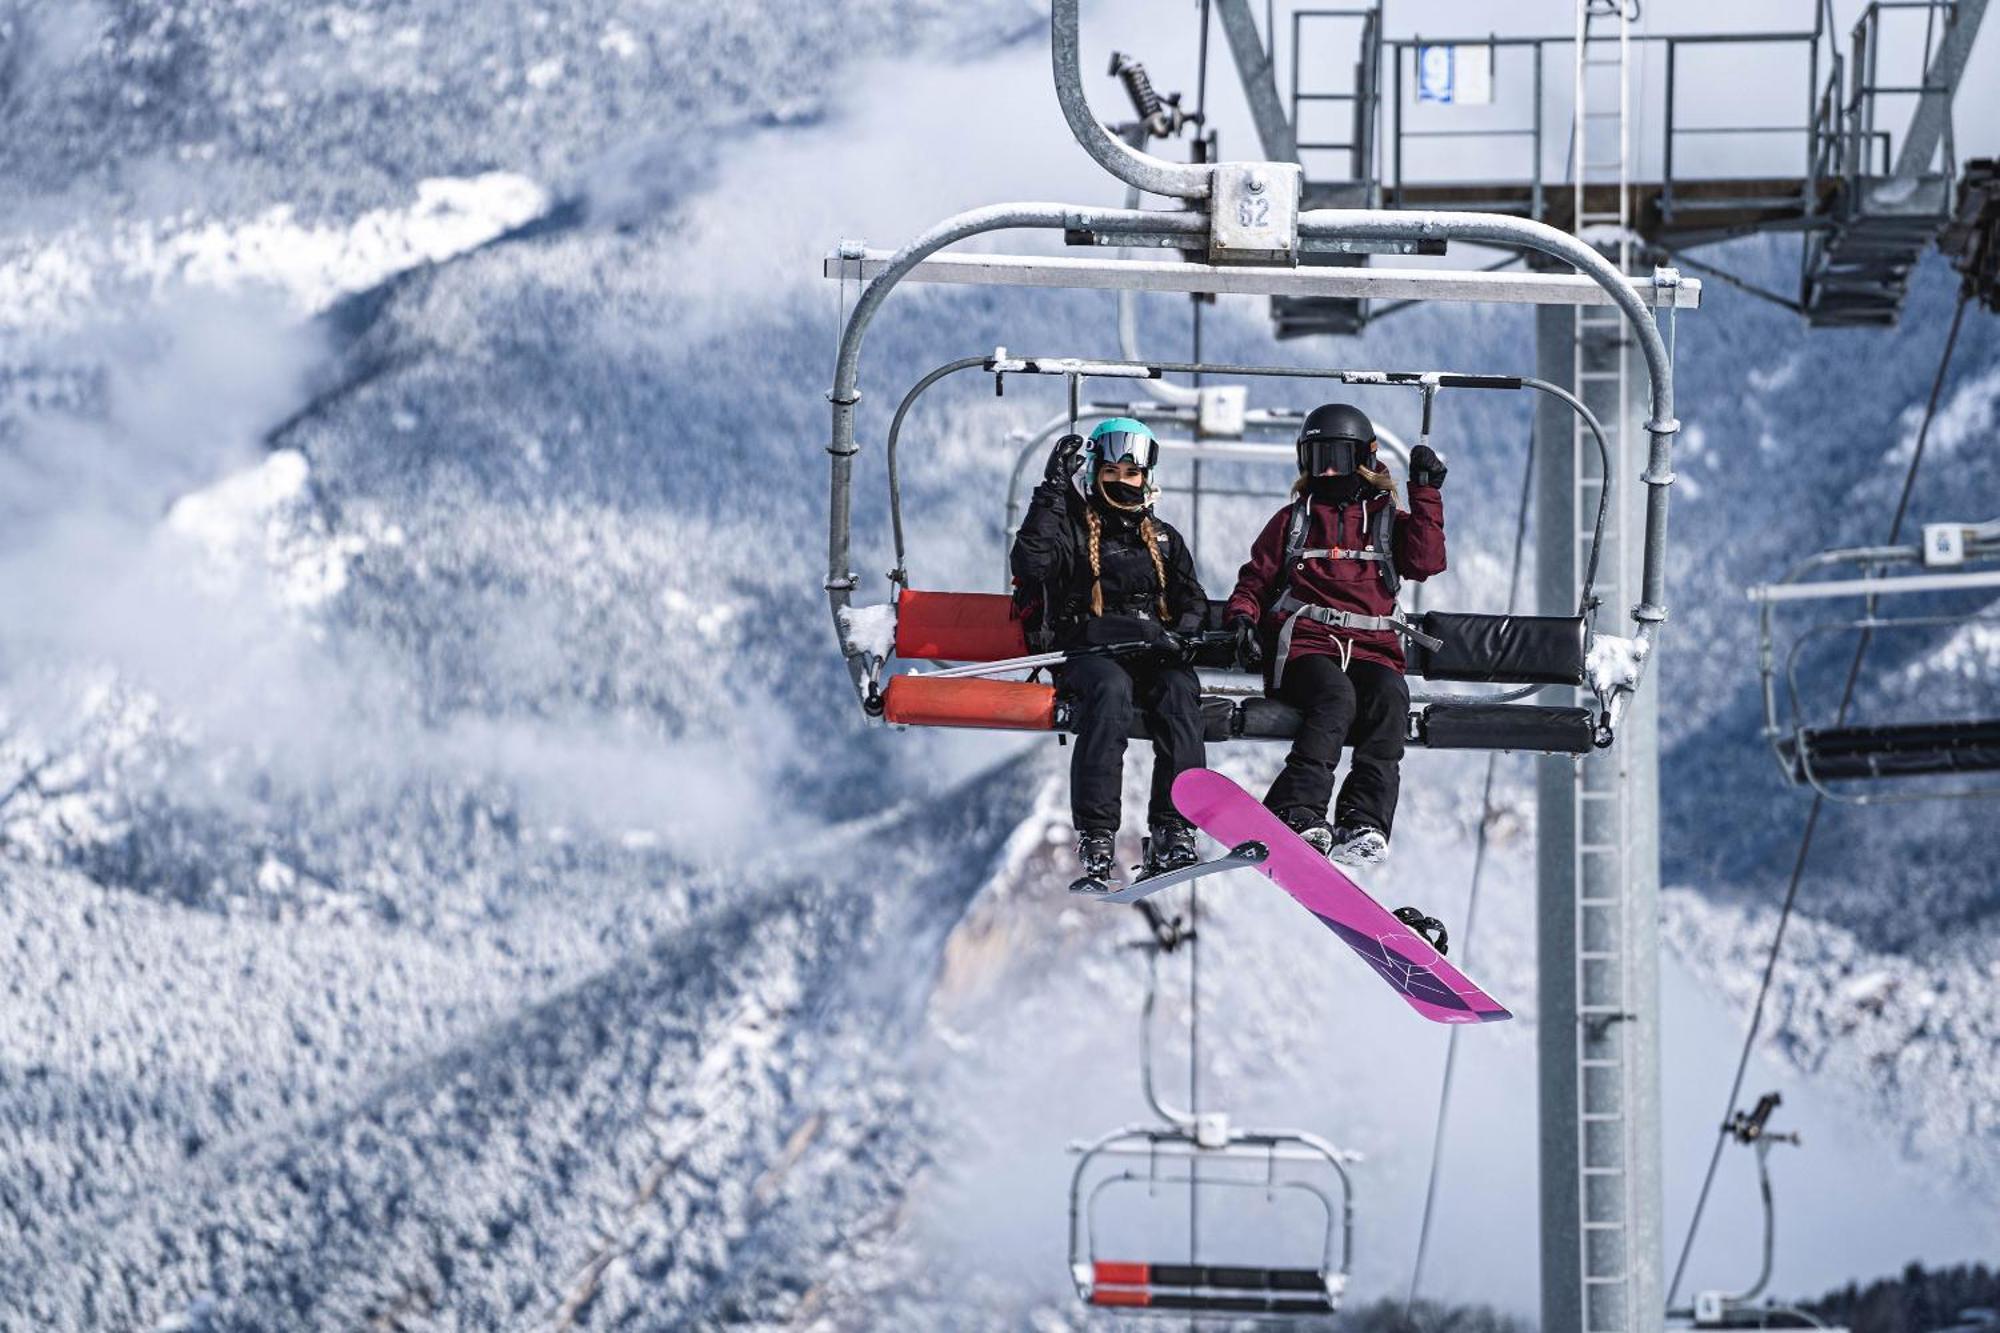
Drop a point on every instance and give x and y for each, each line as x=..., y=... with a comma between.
x=1249, y=652
x=1426, y=468
x=1062, y=460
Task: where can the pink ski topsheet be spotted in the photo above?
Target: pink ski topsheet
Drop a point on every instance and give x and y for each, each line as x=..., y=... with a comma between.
x=1432, y=986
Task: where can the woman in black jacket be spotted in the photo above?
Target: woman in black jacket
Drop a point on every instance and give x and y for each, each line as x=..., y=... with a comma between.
x=1095, y=567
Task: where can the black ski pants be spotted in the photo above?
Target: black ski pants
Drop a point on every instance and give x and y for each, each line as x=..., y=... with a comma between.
x=1365, y=707
x=1107, y=693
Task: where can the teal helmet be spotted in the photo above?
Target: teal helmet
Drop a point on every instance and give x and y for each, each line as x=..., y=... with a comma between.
x=1117, y=440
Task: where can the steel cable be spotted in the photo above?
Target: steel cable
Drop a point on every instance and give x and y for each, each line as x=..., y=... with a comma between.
x=1471, y=904
x=1812, y=819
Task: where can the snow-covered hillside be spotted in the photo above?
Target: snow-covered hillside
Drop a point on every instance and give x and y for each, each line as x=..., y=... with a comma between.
x=443, y=878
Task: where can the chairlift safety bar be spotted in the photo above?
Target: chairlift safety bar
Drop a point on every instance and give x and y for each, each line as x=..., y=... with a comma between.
x=1874, y=587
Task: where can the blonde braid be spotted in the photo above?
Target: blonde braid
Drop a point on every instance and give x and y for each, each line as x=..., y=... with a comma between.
x=1096, y=578
x=1149, y=535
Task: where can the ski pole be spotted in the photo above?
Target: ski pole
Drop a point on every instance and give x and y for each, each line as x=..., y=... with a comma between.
x=1206, y=638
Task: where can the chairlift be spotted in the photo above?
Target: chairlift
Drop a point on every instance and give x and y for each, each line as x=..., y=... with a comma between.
x=1725, y=1310
x=1526, y=653
x=1842, y=760
x=1241, y=229
x=1196, y=1156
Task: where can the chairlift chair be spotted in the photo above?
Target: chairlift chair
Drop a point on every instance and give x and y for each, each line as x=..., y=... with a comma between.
x=1241, y=229
x=1842, y=760
x=1205, y=1154
x=1526, y=653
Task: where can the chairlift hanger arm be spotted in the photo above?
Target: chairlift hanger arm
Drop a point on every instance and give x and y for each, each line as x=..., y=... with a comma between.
x=1155, y=175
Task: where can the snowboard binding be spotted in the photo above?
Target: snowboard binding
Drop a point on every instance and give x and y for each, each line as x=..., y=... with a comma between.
x=1432, y=929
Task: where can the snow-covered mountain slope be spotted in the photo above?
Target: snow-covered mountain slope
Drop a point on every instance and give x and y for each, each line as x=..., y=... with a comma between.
x=444, y=878
x=656, y=1117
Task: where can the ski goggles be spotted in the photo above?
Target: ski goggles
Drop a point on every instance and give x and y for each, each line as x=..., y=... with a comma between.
x=1342, y=457
x=1125, y=446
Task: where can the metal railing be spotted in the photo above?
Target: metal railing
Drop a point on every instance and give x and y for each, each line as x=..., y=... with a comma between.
x=1838, y=136
x=1399, y=131
x=1362, y=97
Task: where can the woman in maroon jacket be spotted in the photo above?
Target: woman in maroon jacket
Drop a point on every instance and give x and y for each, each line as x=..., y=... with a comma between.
x=1315, y=605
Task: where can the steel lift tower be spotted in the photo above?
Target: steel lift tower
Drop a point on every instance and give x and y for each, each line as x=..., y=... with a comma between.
x=1597, y=936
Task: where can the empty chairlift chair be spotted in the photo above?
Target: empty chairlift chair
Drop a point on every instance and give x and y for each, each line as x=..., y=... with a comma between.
x=1294, y=1183
x=1866, y=762
x=1157, y=1164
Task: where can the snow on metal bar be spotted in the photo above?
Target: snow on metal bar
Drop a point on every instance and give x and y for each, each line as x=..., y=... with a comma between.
x=1806, y=592
x=1070, y=365
x=1389, y=284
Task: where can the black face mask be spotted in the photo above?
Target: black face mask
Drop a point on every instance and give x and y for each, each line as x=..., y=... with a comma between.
x=1123, y=494
x=1334, y=490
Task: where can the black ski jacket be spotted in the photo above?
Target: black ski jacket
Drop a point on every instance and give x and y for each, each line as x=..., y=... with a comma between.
x=1052, y=580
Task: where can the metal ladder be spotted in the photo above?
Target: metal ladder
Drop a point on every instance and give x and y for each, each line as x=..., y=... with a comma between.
x=1602, y=369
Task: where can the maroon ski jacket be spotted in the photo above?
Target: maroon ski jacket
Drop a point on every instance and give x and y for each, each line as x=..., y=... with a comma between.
x=1416, y=545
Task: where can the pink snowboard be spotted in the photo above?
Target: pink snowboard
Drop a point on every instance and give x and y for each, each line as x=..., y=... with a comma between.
x=1433, y=987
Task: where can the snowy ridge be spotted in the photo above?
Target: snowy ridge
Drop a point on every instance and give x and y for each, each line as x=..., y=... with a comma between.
x=52, y=282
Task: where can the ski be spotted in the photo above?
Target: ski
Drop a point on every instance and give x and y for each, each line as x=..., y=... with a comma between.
x=1418, y=972
x=1103, y=891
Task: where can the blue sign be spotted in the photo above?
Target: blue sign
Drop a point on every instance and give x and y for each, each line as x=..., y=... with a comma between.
x=1459, y=74
x=1436, y=74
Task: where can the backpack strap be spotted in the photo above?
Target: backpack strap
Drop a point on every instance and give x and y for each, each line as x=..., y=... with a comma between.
x=1296, y=530
x=1383, y=536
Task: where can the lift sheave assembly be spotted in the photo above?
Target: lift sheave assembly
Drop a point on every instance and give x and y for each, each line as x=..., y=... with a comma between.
x=1241, y=230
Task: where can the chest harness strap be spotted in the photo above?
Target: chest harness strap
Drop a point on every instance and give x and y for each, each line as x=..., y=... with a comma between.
x=1292, y=608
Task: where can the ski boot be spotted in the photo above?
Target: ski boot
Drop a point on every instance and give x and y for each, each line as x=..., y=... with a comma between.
x=1429, y=927
x=1360, y=846
x=1097, y=851
x=1313, y=828
x=1169, y=846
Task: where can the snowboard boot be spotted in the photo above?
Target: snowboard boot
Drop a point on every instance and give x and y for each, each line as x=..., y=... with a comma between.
x=1312, y=827
x=1429, y=927
x=1097, y=851
x=1169, y=846
x=1361, y=847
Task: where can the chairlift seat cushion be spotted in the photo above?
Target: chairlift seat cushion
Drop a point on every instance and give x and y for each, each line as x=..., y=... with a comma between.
x=1501, y=650
x=1903, y=750
x=1205, y=1287
x=957, y=627
x=1535, y=727
x=993, y=705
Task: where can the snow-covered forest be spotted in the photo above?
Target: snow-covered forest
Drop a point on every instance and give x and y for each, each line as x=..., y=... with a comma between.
x=444, y=881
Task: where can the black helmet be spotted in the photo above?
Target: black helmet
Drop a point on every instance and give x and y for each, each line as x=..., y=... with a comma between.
x=1335, y=435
